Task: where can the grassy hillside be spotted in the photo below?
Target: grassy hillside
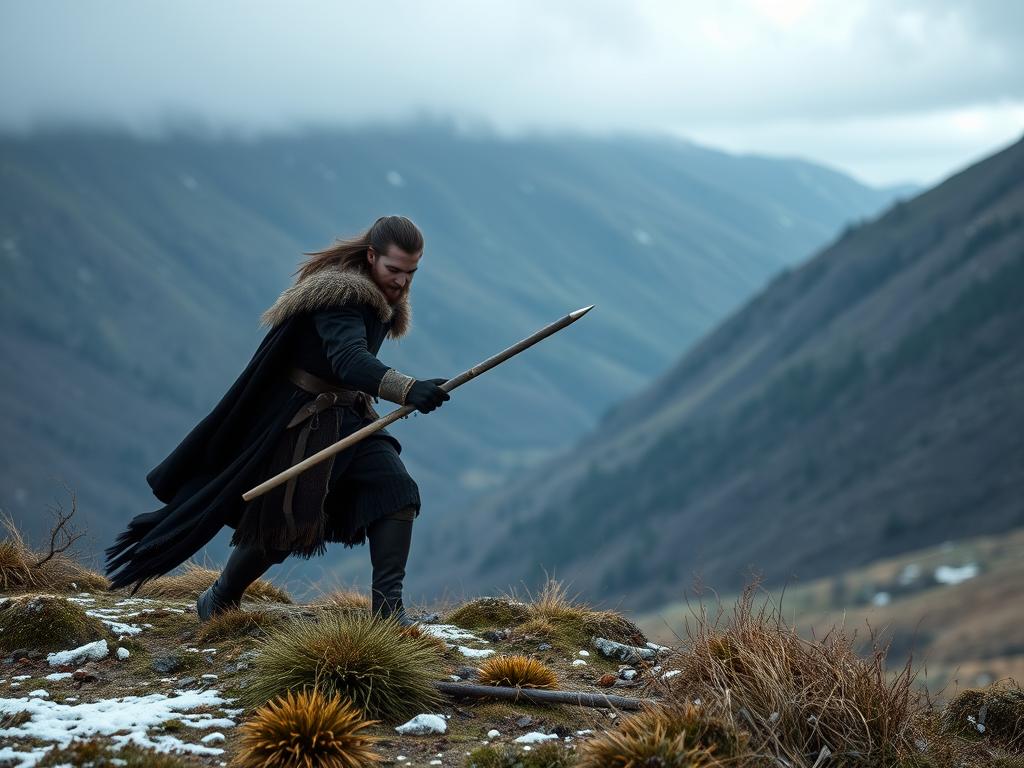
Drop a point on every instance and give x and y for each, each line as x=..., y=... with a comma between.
x=955, y=607
x=135, y=271
x=90, y=677
x=864, y=404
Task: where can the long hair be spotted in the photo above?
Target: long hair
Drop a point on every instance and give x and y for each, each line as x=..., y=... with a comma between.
x=350, y=253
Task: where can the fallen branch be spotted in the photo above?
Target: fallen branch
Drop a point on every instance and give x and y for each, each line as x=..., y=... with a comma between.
x=540, y=695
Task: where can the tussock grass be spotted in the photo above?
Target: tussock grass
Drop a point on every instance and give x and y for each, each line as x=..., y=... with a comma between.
x=345, y=599
x=389, y=674
x=45, y=623
x=797, y=698
x=545, y=755
x=236, y=623
x=306, y=729
x=194, y=579
x=516, y=670
x=22, y=568
x=673, y=735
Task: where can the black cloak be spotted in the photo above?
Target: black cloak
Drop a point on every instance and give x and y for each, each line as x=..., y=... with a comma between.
x=201, y=482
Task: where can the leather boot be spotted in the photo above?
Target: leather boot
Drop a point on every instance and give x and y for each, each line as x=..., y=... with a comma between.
x=390, y=539
x=244, y=566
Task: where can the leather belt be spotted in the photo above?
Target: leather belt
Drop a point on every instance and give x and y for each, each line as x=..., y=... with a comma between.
x=327, y=395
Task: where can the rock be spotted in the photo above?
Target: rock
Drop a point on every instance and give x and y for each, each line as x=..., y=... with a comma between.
x=423, y=725
x=628, y=673
x=493, y=733
x=165, y=664
x=579, y=663
x=123, y=653
x=467, y=673
x=85, y=675
x=607, y=681
x=186, y=681
x=524, y=721
x=427, y=617
x=495, y=635
x=544, y=647
x=628, y=653
x=560, y=731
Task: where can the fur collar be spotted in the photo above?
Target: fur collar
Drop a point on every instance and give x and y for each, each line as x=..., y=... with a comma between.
x=334, y=287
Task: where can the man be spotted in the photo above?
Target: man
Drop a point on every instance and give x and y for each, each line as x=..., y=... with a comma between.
x=309, y=384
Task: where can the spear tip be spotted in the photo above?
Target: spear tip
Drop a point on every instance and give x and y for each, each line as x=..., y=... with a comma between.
x=580, y=312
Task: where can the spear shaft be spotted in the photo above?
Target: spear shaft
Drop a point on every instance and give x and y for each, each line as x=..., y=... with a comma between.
x=405, y=410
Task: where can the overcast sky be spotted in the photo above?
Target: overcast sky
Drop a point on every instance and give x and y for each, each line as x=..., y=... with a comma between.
x=888, y=90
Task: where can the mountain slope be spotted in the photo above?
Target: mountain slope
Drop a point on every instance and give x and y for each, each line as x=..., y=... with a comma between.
x=135, y=272
x=866, y=403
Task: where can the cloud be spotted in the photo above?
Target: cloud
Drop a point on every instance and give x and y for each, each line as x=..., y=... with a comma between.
x=519, y=65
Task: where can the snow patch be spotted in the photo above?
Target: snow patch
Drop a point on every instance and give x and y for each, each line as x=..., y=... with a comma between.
x=422, y=725
x=89, y=651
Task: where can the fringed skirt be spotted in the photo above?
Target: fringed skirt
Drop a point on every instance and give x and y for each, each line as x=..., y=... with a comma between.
x=333, y=501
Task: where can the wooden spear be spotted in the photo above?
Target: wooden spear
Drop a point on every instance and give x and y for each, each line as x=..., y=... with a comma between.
x=405, y=410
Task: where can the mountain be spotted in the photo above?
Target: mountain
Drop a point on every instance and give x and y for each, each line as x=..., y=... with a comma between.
x=865, y=403
x=135, y=271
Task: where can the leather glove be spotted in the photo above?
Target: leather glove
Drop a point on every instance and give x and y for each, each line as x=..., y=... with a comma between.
x=426, y=395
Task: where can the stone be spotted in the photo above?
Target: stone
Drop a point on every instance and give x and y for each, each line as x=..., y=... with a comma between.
x=628, y=653
x=165, y=664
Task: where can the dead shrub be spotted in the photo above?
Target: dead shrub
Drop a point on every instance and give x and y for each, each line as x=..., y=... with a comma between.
x=22, y=568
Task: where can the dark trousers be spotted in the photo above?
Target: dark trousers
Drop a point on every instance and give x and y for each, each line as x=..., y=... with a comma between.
x=390, y=538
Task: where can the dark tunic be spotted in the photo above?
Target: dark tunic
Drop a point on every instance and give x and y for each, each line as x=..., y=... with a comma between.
x=353, y=488
x=332, y=326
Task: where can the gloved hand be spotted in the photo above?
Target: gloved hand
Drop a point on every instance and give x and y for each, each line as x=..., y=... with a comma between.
x=426, y=395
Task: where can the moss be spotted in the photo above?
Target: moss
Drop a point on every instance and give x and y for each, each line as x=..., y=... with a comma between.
x=45, y=623
x=994, y=713
x=546, y=755
x=489, y=612
x=97, y=754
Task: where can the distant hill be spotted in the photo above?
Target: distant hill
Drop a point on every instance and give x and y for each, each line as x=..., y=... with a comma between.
x=866, y=403
x=134, y=272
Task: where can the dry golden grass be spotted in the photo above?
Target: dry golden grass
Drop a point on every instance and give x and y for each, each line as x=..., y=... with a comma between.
x=797, y=698
x=517, y=671
x=672, y=735
x=21, y=568
x=664, y=737
x=387, y=673
x=194, y=579
x=306, y=730
x=346, y=599
x=236, y=623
